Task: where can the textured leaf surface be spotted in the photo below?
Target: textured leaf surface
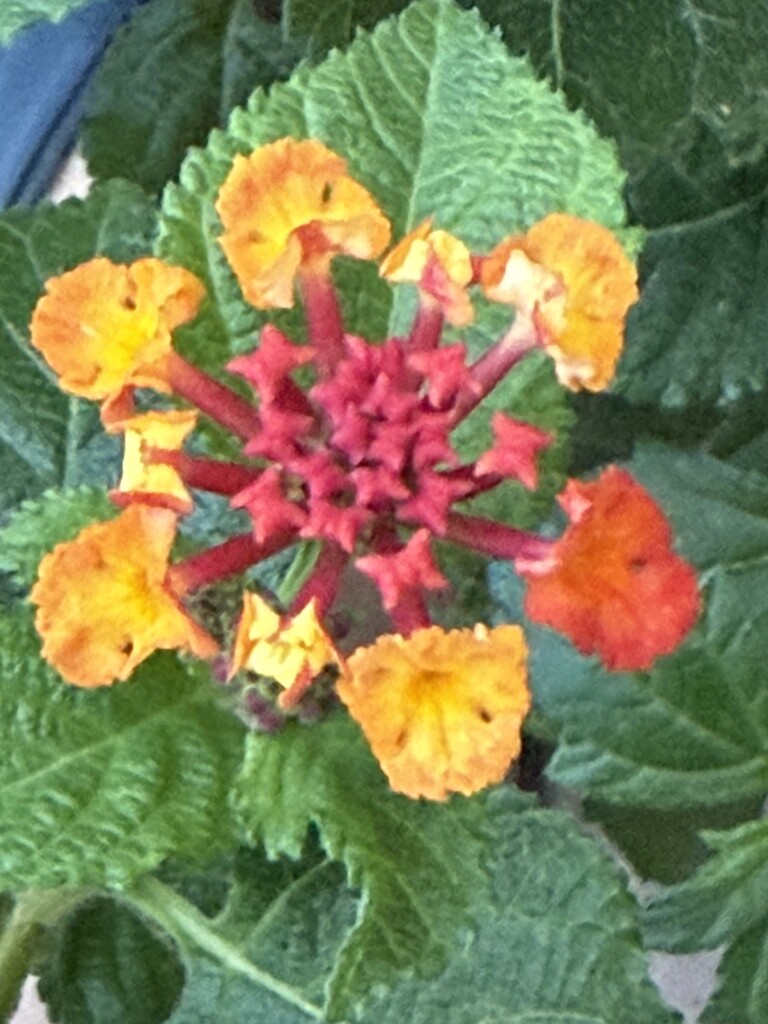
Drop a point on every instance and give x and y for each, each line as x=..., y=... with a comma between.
x=693, y=731
x=37, y=525
x=435, y=118
x=17, y=14
x=555, y=937
x=108, y=965
x=420, y=865
x=681, y=88
x=47, y=438
x=725, y=902
x=173, y=73
x=99, y=786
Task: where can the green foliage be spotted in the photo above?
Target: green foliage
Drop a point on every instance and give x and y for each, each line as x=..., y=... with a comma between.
x=46, y=437
x=173, y=72
x=681, y=88
x=415, y=107
x=109, y=965
x=38, y=524
x=17, y=14
x=725, y=902
x=97, y=787
x=419, y=864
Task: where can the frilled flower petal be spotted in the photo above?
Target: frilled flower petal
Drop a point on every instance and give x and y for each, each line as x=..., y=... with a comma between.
x=105, y=326
x=290, y=650
x=154, y=483
x=612, y=582
x=440, y=265
x=442, y=711
x=515, y=451
x=290, y=207
x=576, y=281
x=105, y=603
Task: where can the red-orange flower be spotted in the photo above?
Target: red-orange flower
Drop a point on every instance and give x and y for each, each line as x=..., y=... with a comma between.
x=105, y=603
x=289, y=208
x=442, y=711
x=104, y=326
x=575, y=281
x=612, y=582
x=440, y=265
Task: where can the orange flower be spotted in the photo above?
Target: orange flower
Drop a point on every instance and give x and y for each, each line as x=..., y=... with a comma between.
x=154, y=483
x=103, y=326
x=612, y=583
x=104, y=603
x=440, y=265
x=575, y=281
x=442, y=711
x=290, y=650
x=289, y=208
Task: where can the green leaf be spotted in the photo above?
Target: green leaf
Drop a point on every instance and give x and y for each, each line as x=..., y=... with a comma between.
x=694, y=730
x=17, y=14
x=46, y=437
x=97, y=787
x=38, y=524
x=191, y=63
x=725, y=902
x=333, y=24
x=681, y=89
x=416, y=108
x=554, y=939
x=108, y=965
x=419, y=865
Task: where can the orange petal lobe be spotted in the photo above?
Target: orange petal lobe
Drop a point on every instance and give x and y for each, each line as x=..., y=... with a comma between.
x=105, y=326
x=289, y=208
x=155, y=483
x=613, y=584
x=441, y=710
x=104, y=604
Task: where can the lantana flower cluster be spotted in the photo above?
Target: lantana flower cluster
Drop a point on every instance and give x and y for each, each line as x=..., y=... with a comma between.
x=348, y=444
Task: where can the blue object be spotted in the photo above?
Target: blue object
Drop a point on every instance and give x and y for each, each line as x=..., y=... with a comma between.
x=44, y=74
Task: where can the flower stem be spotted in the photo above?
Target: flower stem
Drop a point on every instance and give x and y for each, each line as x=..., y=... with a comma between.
x=427, y=328
x=324, y=323
x=494, y=365
x=216, y=400
x=323, y=582
x=212, y=475
x=194, y=930
x=495, y=539
x=228, y=559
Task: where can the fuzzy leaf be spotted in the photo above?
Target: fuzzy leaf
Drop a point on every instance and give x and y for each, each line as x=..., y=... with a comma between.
x=47, y=438
x=334, y=23
x=555, y=937
x=108, y=965
x=416, y=108
x=17, y=14
x=725, y=902
x=682, y=91
x=38, y=524
x=694, y=730
x=419, y=864
x=174, y=72
x=99, y=786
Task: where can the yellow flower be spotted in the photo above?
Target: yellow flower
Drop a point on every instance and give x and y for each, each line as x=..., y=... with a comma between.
x=289, y=208
x=440, y=265
x=290, y=650
x=575, y=281
x=442, y=711
x=104, y=326
x=154, y=483
x=104, y=601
